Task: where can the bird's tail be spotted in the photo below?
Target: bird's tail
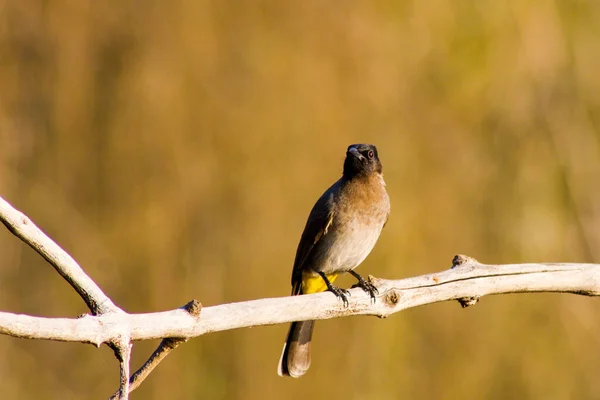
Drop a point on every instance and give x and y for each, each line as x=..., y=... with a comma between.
x=295, y=357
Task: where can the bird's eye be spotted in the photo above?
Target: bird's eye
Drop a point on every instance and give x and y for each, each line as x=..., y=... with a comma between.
x=370, y=154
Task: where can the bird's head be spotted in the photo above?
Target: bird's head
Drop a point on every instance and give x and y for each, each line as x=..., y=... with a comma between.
x=361, y=160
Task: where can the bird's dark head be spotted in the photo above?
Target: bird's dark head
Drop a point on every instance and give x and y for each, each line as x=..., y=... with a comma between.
x=361, y=159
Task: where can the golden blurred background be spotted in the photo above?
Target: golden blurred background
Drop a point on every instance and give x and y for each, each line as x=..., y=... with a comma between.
x=176, y=148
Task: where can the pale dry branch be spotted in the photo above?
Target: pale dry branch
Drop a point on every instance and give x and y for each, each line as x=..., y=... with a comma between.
x=23, y=228
x=466, y=281
x=123, y=354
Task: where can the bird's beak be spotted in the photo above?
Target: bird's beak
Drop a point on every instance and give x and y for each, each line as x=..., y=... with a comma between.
x=356, y=154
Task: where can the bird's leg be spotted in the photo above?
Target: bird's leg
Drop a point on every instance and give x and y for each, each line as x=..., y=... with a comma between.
x=339, y=292
x=364, y=285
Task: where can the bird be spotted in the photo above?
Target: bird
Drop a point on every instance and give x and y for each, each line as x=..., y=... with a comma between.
x=340, y=232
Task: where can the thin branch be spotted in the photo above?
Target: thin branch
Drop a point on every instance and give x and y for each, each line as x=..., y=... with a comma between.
x=22, y=227
x=123, y=354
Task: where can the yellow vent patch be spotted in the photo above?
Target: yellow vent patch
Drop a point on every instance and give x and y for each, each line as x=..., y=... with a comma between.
x=313, y=283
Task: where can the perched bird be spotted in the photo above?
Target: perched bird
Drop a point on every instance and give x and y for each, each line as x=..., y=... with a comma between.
x=341, y=231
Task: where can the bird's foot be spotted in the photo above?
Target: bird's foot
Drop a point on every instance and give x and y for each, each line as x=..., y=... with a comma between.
x=366, y=286
x=341, y=294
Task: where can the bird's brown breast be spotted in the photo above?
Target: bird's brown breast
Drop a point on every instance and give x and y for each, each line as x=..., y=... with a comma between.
x=364, y=200
x=361, y=210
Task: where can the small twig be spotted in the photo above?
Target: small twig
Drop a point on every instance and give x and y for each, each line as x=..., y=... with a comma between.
x=23, y=228
x=122, y=348
x=162, y=351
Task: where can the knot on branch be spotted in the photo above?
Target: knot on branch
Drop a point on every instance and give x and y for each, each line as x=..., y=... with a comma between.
x=392, y=298
x=193, y=308
x=460, y=260
x=468, y=301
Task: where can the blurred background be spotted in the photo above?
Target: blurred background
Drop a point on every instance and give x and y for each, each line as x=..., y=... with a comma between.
x=176, y=148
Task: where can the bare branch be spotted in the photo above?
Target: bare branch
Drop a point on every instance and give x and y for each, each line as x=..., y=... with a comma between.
x=123, y=354
x=22, y=227
x=467, y=280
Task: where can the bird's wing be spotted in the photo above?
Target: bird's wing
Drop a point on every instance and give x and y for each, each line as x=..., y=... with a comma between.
x=318, y=224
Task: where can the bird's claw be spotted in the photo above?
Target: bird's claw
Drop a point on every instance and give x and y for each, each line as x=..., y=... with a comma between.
x=341, y=294
x=367, y=287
